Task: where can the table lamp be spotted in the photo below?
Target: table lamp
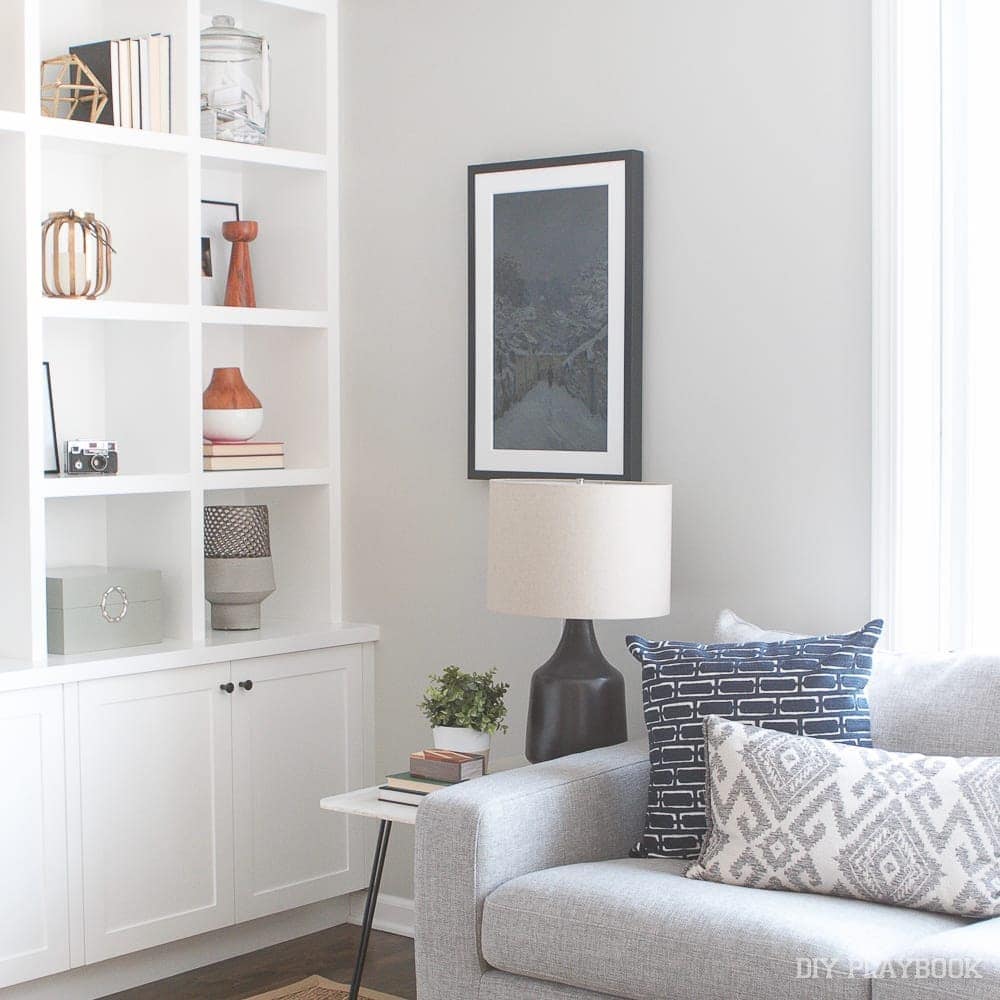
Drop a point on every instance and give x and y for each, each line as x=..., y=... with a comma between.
x=578, y=550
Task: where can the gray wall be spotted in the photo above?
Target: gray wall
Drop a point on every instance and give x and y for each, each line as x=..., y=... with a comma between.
x=754, y=118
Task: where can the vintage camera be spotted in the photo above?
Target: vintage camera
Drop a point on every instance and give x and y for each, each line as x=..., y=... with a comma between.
x=91, y=458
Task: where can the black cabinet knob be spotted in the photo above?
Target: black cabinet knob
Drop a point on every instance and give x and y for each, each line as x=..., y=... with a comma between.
x=246, y=685
x=228, y=688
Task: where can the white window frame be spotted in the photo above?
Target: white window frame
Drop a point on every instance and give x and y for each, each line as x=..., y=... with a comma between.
x=919, y=400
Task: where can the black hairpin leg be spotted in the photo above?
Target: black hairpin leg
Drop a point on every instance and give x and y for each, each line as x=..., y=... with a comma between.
x=366, y=921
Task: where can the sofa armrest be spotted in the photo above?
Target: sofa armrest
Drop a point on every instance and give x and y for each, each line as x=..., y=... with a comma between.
x=478, y=835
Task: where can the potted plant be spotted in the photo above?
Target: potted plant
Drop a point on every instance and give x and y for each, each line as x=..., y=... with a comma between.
x=465, y=709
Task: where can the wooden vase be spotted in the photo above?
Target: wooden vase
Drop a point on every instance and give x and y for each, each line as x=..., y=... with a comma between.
x=239, y=284
x=228, y=391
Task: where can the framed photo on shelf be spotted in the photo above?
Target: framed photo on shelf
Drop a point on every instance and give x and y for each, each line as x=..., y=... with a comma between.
x=51, y=460
x=214, y=256
x=555, y=317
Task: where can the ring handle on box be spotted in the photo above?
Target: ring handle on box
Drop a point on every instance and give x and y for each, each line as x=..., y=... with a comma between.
x=113, y=619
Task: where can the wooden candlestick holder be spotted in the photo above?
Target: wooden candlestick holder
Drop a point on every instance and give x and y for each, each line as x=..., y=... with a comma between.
x=239, y=284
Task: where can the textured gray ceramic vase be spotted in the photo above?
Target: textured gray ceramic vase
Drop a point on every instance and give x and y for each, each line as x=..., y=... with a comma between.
x=239, y=573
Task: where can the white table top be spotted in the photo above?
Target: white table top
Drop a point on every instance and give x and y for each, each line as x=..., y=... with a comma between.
x=365, y=802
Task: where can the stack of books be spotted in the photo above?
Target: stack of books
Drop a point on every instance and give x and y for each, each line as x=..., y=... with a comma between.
x=136, y=74
x=429, y=771
x=242, y=455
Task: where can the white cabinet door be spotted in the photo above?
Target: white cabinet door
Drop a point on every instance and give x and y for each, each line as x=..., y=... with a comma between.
x=156, y=798
x=34, y=894
x=297, y=736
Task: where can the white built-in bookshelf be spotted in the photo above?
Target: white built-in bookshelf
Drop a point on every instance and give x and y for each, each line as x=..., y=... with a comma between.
x=131, y=366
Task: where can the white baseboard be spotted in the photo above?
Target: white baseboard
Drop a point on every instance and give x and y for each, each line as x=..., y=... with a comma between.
x=129, y=971
x=392, y=913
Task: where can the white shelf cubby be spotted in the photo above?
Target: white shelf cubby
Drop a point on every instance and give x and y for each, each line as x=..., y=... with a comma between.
x=127, y=382
x=142, y=531
x=298, y=38
x=62, y=25
x=289, y=373
x=290, y=255
x=299, y=519
x=136, y=192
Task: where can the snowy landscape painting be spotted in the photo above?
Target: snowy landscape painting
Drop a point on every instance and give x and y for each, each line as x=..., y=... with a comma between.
x=550, y=319
x=554, y=299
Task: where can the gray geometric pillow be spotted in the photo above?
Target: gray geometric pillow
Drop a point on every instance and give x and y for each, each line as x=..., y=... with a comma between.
x=805, y=815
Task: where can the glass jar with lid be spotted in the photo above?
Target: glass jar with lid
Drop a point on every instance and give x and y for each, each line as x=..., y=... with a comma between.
x=235, y=83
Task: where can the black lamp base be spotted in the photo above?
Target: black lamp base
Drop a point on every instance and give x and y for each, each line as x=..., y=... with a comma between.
x=577, y=698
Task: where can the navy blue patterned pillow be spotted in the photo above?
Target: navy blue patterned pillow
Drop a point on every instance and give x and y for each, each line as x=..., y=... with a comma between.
x=808, y=687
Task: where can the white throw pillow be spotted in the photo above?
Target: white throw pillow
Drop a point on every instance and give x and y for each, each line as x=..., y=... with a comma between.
x=806, y=815
x=729, y=627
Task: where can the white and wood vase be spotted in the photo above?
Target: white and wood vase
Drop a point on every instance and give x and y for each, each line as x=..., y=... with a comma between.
x=230, y=409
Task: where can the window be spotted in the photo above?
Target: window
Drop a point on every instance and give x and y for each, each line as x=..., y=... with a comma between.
x=936, y=292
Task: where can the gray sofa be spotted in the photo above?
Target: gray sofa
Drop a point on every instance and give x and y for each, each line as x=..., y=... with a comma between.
x=524, y=887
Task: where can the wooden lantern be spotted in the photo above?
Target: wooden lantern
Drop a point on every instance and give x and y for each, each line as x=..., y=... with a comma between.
x=76, y=256
x=67, y=84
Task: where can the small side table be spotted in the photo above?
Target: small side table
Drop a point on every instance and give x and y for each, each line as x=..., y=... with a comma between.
x=365, y=802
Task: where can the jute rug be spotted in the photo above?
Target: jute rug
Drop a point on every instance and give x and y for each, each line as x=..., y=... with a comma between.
x=318, y=988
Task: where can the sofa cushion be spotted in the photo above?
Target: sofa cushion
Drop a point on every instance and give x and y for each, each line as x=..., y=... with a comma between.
x=812, y=686
x=960, y=964
x=789, y=812
x=946, y=704
x=637, y=928
x=503, y=986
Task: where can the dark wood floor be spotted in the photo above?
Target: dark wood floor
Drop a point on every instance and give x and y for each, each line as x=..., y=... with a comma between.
x=389, y=968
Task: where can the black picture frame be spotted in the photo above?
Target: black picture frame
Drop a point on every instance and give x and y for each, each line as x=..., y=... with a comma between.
x=212, y=248
x=51, y=460
x=627, y=464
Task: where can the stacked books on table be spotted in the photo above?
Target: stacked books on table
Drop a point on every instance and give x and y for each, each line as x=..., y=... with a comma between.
x=242, y=455
x=430, y=770
x=136, y=74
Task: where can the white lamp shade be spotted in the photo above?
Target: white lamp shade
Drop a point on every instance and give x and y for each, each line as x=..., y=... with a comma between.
x=566, y=549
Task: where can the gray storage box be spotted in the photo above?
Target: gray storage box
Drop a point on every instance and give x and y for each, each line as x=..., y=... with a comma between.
x=92, y=608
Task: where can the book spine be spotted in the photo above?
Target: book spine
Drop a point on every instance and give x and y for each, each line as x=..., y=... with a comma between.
x=145, y=107
x=116, y=97
x=249, y=448
x=154, y=82
x=166, y=99
x=125, y=81
x=401, y=798
x=242, y=464
x=445, y=770
x=437, y=770
x=418, y=786
x=133, y=69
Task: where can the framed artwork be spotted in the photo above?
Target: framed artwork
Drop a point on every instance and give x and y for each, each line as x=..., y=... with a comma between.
x=555, y=317
x=51, y=443
x=214, y=249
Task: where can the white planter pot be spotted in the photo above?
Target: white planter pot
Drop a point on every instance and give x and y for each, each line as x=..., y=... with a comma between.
x=461, y=739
